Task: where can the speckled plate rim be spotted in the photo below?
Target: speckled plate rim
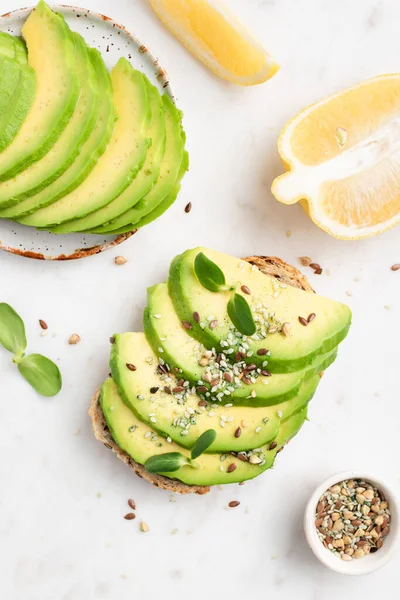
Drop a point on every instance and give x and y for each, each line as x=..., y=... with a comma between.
x=163, y=79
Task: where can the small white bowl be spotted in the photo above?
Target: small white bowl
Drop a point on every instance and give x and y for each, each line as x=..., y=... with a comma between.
x=366, y=564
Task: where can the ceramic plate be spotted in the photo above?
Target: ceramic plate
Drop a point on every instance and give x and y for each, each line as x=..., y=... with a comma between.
x=113, y=41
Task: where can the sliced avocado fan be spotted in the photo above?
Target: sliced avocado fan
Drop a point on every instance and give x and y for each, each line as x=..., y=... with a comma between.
x=90, y=152
x=43, y=172
x=169, y=175
x=145, y=178
x=166, y=403
x=52, y=57
x=315, y=325
x=141, y=441
x=170, y=340
x=117, y=166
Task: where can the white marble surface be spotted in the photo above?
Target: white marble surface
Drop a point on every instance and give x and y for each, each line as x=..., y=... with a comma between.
x=62, y=495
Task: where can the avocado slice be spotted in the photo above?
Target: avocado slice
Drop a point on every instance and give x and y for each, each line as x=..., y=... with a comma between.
x=178, y=415
x=52, y=57
x=21, y=52
x=7, y=46
x=164, y=330
x=141, y=442
x=67, y=147
x=13, y=48
x=272, y=304
x=123, y=158
x=9, y=76
x=90, y=152
x=18, y=85
x=164, y=205
x=146, y=177
x=168, y=178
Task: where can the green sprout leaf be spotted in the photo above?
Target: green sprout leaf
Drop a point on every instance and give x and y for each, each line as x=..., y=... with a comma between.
x=42, y=374
x=209, y=274
x=203, y=442
x=240, y=314
x=166, y=463
x=12, y=330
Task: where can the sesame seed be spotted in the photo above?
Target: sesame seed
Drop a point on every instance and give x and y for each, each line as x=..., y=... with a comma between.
x=160, y=350
x=258, y=429
x=157, y=316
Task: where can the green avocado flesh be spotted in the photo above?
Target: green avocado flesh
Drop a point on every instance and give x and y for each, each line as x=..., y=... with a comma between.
x=178, y=415
x=272, y=304
x=18, y=85
x=167, y=387
x=147, y=175
x=140, y=441
x=7, y=46
x=9, y=77
x=51, y=55
x=66, y=148
x=165, y=331
x=13, y=48
x=81, y=151
x=21, y=53
x=164, y=205
x=123, y=157
x=90, y=152
x=169, y=174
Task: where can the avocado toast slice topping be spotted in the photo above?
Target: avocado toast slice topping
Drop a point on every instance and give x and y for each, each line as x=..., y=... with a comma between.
x=272, y=304
x=233, y=382
x=66, y=148
x=123, y=158
x=141, y=442
x=51, y=56
x=169, y=405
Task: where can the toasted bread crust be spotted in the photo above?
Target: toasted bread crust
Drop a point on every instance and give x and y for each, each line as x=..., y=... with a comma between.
x=270, y=265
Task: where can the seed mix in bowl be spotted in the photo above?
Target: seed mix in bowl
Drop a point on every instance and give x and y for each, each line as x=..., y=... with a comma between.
x=352, y=519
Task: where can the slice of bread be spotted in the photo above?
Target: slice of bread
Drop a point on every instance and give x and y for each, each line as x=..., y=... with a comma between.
x=270, y=265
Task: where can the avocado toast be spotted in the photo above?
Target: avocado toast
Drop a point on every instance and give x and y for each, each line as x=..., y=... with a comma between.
x=150, y=407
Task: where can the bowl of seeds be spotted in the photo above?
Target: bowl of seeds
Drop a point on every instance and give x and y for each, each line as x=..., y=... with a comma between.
x=351, y=522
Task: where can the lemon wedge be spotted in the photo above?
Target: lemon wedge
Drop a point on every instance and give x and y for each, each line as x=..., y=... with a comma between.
x=342, y=157
x=217, y=38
